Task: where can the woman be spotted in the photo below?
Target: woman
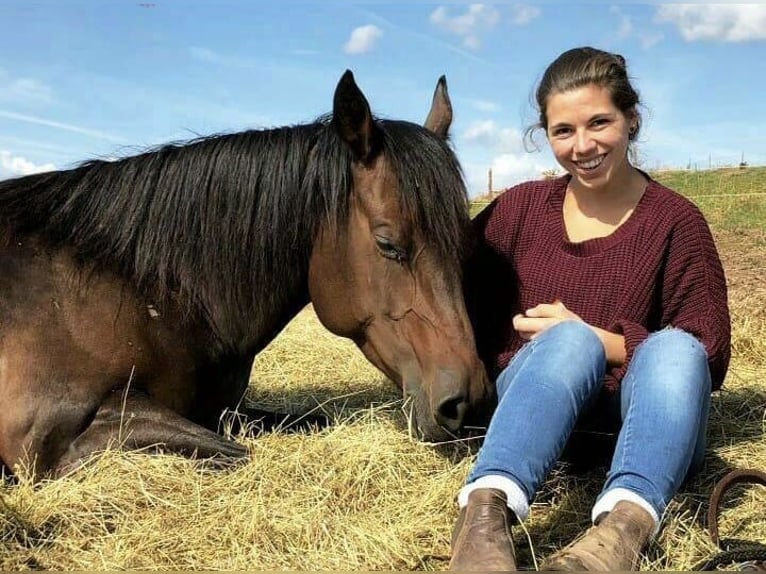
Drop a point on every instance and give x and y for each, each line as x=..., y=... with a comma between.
x=596, y=296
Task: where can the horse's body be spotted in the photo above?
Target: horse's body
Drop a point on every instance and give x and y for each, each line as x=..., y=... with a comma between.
x=135, y=294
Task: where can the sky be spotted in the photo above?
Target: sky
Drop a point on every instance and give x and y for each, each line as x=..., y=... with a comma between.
x=83, y=79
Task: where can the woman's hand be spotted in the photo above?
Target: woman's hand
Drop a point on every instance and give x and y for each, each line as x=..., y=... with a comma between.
x=541, y=317
x=545, y=315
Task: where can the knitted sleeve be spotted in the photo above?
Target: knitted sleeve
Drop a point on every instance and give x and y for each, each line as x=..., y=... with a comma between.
x=694, y=294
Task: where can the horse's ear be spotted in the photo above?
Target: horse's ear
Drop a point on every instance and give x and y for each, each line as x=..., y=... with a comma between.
x=353, y=119
x=440, y=116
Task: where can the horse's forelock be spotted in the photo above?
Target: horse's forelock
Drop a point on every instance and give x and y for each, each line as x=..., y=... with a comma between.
x=430, y=180
x=431, y=185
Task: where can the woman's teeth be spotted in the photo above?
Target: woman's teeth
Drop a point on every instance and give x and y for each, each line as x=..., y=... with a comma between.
x=591, y=163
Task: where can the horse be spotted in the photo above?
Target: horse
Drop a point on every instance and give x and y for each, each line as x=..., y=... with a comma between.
x=136, y=293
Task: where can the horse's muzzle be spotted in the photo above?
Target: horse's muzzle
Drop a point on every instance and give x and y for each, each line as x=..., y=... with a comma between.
x=445, y=406
x=450, y=402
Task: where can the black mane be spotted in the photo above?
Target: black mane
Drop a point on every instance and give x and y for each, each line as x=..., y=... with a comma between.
x=208, y=219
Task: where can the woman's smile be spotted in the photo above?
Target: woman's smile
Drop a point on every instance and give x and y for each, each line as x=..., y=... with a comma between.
x=591, y=165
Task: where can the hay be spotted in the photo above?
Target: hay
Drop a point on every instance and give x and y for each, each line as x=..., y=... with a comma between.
x=361, y=494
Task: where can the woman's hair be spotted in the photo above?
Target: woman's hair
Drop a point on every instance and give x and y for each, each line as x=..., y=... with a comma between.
x=580, y=67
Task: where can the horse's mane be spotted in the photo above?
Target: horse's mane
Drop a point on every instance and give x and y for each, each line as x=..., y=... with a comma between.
x=207, y=220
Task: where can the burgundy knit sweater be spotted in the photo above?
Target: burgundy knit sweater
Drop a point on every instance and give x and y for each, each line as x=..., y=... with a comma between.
x=659, y=268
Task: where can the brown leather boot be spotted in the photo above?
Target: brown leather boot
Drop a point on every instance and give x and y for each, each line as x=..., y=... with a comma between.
x=481, y=540
x=615, y=543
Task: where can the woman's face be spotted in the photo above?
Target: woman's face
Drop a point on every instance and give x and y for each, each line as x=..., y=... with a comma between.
x=589, y=135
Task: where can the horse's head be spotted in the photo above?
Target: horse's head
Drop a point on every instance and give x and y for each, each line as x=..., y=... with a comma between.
x=390, y=276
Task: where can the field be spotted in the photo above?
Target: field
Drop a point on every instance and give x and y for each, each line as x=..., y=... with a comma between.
x=361, y=494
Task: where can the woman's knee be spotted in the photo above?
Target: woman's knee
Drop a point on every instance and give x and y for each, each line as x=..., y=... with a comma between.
x=673, y=361
x=568, y=355
x=674, y=350
x=573, y=339
x=676, y=340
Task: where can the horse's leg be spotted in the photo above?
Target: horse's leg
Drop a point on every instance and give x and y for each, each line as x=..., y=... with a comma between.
x=227, y=395
x=266, y=421
x=133, y=421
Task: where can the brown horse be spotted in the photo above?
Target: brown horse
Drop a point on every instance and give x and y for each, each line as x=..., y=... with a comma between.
x=135, y=294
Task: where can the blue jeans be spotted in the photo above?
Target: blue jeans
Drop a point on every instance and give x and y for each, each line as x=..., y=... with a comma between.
x=556, y=378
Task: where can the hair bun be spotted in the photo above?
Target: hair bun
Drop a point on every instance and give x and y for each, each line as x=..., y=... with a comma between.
x=620, y=60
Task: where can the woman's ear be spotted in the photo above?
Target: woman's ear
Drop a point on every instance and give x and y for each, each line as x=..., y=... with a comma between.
x=632, y=117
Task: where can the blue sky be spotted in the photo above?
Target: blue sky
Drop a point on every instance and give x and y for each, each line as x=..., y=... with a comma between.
x=96, y=78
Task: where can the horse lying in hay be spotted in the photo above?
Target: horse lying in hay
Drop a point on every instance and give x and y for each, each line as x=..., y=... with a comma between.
x=135, y=294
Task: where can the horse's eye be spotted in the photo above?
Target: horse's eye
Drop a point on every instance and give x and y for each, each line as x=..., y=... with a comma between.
x=389, y=250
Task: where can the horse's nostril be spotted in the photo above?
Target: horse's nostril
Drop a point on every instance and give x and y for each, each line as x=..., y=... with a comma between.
x=451, y=413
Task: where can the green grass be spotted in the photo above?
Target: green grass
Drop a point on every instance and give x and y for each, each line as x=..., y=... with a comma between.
x=715, y=182
x=732, y=199
x=477, y=206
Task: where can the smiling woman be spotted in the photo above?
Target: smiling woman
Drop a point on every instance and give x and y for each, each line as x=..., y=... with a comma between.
x=600, y=295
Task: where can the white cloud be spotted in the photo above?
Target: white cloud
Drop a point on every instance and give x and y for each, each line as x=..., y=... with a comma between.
x=524, y=14
x=485, y=105
x=726, y=22
x=23, y=90
x=362, y=39
x=625, y=30
x=487, y=133
x=510, y=162
x=469, y=26
x=13, y=165
x=507, y=169
x=625, y=26
x=512, y=168
x=649, y=39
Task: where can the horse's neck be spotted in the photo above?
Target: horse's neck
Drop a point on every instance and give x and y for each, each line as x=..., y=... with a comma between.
x=243, y=289
x=273, y=315
x=267, y=300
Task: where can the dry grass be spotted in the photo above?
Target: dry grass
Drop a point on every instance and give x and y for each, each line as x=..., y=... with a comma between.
x=360, y=494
